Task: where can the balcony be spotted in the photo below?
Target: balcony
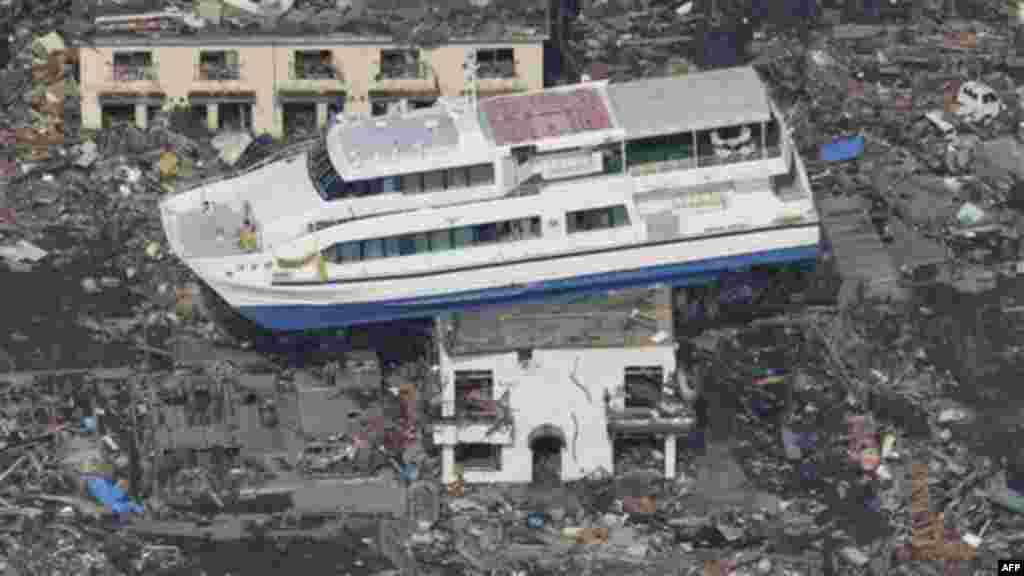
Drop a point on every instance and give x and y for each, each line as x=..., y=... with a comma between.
x=218, y=72
x=132, y=73
x=415, y=76
x=314, y=77
x=489, y=422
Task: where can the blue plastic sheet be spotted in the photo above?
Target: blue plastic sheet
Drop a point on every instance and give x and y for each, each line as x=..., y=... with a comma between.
x=111, y=496
x=843, y=149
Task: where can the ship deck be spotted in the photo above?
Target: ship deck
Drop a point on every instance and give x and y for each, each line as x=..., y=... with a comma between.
x=212, y=234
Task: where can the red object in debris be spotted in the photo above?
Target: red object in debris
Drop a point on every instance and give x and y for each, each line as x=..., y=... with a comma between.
x=904, y=103
x=8, y=169
x=8, y=137
x=599, y=71
x=7, y=216
x=856, y=88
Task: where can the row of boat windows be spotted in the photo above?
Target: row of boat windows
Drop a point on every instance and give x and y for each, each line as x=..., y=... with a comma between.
x=331, y=186
x=467, y=236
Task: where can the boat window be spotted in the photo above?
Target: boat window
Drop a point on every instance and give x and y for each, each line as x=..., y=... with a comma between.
x=349, y=252
x=597, y=219
x=462, y=236
x=406, y=245
x=412, y=183
x=440, y=240
x=447, y=239
x=433, y=181
x=391, y=184
x=329, y=184
x=373, y=249
x=481, y=175
x=666, y=148
x=458, y=177
x=485, y=233
x=422, y=243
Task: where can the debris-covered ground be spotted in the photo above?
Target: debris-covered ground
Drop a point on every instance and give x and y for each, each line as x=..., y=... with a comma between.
x=141, y=433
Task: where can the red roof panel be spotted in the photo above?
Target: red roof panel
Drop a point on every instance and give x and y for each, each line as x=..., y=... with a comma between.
x=517, y=119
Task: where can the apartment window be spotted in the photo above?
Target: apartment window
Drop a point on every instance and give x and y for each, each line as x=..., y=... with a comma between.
x=478, y=456
x=399, y=64
x=597, y=219
x=643, y=386
x=129, y=66
x=496, y=63
x=313, y=65
x=219, y=65
x=234, y=116
x=474, y=392
x=481, y=175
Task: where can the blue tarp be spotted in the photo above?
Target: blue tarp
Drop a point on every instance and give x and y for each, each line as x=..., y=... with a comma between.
x=843, y=149
x=721, y=49
x=111, y=496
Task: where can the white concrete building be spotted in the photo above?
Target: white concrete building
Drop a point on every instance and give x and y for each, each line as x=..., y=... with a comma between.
x=542, y=391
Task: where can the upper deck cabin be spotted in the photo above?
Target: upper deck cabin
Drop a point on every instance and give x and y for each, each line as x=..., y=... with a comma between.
x=703, y=130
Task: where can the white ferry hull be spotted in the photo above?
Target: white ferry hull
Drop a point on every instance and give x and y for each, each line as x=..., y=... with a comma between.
x=683, y=261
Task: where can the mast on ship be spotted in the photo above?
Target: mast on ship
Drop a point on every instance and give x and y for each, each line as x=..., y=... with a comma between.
x=471, y=66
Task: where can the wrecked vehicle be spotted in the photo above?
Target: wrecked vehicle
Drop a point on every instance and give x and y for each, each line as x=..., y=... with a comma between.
x=978, y=103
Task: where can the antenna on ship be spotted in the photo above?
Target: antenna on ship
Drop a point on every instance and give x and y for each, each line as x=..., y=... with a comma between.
x=471, y=66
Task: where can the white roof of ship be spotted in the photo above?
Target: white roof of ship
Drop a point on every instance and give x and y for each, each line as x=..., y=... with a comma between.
x=713, y=99
x=445, y=136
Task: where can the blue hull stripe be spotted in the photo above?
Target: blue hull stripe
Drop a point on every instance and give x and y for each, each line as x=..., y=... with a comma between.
x=307, y=316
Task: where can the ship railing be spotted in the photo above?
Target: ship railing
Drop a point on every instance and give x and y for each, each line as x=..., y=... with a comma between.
x=292, y=150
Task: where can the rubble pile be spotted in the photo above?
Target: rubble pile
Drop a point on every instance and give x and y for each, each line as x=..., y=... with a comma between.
x=836, y=440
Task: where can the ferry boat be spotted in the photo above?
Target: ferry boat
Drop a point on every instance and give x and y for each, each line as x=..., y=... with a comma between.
x=588, y=187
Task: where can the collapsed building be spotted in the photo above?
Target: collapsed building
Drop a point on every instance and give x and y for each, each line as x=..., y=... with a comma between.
x=548, y=391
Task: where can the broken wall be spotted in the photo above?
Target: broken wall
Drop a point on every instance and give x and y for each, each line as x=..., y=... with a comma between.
x=564, y=388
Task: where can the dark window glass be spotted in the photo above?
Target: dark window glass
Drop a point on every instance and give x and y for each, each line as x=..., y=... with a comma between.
x=406, y=245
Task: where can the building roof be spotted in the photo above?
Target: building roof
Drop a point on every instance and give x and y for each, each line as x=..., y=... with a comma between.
x=619, y=319
x=693, y=102
x=520, y=118
x=401, y=21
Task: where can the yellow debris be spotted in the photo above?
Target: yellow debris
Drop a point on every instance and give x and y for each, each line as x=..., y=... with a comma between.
x=168, y=165
x=153, y=249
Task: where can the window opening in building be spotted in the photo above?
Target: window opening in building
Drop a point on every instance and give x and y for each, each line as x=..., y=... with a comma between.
x=478, y=456
x=496, y=63
x=313, y=65
x=400, y=64
x=219, y=65
x=597, y=219
x=115, y=114
x=474, y=393
x=643, y=386
x=299, y=117
x=129, y=66
x=234, y=116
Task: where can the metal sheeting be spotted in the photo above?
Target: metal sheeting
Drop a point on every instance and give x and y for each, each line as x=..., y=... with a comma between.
x=714, y=99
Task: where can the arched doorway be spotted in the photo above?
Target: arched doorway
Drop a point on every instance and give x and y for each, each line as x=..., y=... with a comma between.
x=546, y=444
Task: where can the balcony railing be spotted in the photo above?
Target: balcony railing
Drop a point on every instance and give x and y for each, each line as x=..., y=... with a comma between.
x=501, y=70
x=409, y=70
x=474, y=411
x=218, y=72
x=315, y=71
x=706, y=160
x=132, y=73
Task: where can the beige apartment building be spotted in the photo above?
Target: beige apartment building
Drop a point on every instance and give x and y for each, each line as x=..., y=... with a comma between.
x=271, y=84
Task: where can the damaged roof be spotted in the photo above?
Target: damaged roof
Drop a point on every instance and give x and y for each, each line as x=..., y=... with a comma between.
x=712, y=99
x=397, y=21
x=629, y=318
